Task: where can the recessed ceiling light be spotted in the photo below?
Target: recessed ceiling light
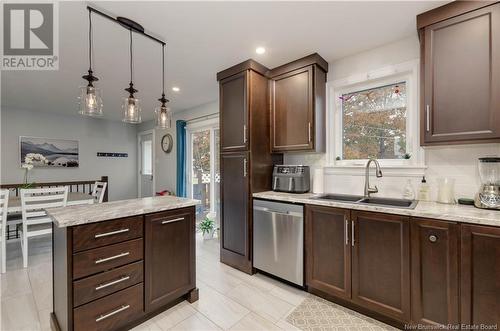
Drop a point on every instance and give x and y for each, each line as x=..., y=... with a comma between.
x=260, y=50
x=175, y=89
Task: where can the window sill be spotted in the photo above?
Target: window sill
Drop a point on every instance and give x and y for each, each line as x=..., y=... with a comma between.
x=387, y=170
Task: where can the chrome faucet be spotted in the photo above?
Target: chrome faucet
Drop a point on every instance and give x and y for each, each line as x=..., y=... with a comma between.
x=378, y=173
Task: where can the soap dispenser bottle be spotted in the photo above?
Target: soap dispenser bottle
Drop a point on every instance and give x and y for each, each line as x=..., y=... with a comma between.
x=424, y=190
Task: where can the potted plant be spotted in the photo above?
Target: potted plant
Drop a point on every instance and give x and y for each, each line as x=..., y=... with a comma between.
x=207, y=227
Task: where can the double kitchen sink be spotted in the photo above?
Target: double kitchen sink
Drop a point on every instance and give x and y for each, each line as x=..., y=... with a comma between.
x=374, y=201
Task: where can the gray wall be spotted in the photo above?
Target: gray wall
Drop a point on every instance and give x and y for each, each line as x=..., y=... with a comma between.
x=94, y=135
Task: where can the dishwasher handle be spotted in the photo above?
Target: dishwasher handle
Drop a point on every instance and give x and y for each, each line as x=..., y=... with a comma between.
x=285, y=213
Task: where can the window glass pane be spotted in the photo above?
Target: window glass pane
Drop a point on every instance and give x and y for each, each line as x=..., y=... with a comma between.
x=201, y=172
x=217, y=175
x=147, y=157
x=374, y=123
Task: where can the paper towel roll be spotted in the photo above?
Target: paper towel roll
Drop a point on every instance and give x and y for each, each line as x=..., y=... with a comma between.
x=318, y=181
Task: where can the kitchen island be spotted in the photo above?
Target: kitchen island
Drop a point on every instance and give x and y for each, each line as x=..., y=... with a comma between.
x=117, y=264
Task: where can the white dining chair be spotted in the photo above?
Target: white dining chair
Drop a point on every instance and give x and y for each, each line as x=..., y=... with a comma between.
x=98, y=191
x=4, y=205
x=35, y=220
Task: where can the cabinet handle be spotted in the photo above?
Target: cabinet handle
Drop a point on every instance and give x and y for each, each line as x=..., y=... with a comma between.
x=309, y=132
x=99, y=235
x=101, y=286
x=427, y=117
x=244, y=133
x=173, y=221
x=103, y=317
x=352, y=234
x=245, y=167
x=112, y=257
x=346, y=231
x=433, y=238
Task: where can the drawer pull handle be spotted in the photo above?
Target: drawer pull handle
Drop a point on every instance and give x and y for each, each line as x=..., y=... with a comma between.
x=111, y=257
x=173, y=221
x=101, y=286
x=103, y=317
x=433, y=238
x=99, y=235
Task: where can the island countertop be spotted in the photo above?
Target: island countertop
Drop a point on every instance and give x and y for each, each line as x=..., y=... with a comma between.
x=84, y=214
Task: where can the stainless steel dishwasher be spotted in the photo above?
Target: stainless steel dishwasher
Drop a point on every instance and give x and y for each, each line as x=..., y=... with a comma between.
x=278, y=239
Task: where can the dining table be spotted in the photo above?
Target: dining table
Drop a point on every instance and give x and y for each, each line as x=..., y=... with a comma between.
x=74, y=198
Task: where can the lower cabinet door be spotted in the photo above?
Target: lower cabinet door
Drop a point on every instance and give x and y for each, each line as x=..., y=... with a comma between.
x=381, y=263
x=328, y=249
x=169, y=249
x=236, y=216
x=111, y=312
x=434, y=261
x=480, y=275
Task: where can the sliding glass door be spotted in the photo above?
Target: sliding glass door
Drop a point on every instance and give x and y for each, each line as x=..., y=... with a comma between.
x=203, y=167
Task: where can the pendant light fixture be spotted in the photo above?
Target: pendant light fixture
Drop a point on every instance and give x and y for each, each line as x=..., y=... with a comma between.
x=90, y=99
x=131, y=107
x=163, y=114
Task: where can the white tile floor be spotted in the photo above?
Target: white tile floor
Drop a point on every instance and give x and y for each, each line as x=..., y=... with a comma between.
x=229, y=299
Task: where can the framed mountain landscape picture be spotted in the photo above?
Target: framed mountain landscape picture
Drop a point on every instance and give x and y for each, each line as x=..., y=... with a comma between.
x=53, y=152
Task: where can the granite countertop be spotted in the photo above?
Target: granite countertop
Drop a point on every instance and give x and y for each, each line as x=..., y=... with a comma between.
x=455, y=213
x=83, y=214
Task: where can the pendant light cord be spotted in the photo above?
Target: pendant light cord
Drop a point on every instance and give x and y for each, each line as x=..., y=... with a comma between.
x=90, y=41
x=131, y=55
x=163, y=69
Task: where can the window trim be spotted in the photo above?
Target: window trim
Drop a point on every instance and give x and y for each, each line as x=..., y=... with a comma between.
x=407, y=72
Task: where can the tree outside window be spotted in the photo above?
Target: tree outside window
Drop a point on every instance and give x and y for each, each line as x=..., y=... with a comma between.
x=374, y=123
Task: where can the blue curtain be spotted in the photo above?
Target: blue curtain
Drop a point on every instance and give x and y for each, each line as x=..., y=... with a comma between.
x=181, y=158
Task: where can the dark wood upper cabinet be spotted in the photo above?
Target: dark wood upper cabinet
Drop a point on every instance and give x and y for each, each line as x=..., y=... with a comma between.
x=381, y=263
x=480, y=275
x=233, y=100
x=298, y=105
x=435, y=272
x=246, y=160
x=169, y=246
x=328, y=249
x=460, y=63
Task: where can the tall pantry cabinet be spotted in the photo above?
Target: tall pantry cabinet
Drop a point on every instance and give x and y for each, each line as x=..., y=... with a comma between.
x=245, y=160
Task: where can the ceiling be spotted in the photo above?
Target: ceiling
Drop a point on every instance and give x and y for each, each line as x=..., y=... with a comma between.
x=202, y=39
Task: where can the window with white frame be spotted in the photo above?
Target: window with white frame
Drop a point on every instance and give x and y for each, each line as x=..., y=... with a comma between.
x=375, y=115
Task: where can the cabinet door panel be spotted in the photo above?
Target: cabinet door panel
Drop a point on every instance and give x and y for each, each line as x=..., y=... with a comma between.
x=462, y=75
x=480, y=275
x=235, y=245
x=434, y=247
x=292, y=110
x=328, y=262
x=169, y=247
x=381, y=263
x=234, y=112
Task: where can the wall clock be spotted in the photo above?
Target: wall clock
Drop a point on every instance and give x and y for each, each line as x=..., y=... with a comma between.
x=166, y=143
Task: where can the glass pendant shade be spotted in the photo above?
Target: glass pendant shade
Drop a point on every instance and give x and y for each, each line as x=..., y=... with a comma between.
x=163, y=116
x=90, y=101
x=131, y=110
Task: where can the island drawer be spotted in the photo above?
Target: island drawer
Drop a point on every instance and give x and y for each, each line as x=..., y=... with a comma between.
x=110, y=312
x=100, y=285
x=105, y=233
x=104, y=258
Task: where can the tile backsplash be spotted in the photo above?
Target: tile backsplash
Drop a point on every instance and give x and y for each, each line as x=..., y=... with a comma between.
x=458, y=162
